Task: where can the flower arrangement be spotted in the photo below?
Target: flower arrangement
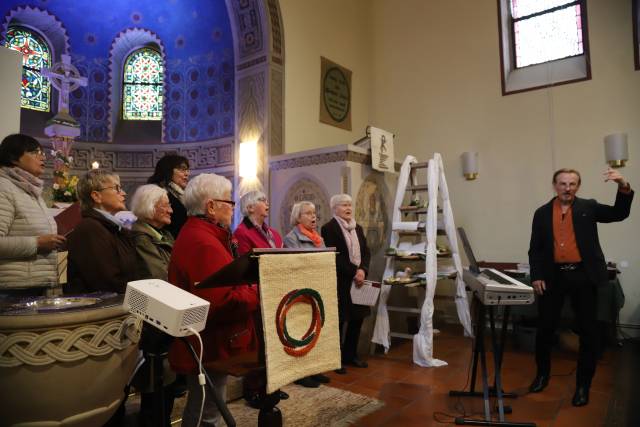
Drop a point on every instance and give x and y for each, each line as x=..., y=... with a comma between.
x=64, y=184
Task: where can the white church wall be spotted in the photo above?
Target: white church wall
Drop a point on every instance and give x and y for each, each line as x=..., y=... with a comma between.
x=434, y=71
x=10, y=71
x=438, y=62
x=338, y=30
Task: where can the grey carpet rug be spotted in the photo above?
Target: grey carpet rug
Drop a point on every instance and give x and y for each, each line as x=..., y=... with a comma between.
x=306, y=407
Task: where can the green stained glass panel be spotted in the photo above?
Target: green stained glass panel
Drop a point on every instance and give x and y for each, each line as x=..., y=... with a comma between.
x=35, y=88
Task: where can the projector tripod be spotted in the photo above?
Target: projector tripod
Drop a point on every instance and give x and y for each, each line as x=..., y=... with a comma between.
x=496, y=391
x=155, y=345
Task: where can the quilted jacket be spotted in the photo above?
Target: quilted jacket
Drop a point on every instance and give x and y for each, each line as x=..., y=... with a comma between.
x=22, y=219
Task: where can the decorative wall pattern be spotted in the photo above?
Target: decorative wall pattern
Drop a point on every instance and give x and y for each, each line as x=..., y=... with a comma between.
x=200, y=99
x=248, y=27
x=252, y=104
x=90, y=105
x=276, y=146
x=196, y=42
x=276, y=29
x=138, y=158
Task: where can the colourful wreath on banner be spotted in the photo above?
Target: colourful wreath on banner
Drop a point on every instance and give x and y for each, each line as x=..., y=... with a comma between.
x=299, y=347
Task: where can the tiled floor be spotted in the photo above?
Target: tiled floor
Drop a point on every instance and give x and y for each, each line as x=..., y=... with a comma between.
x=416, y=396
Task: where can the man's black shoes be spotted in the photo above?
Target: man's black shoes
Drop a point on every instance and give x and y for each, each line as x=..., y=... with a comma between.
x=581, y=397
x=539, y=383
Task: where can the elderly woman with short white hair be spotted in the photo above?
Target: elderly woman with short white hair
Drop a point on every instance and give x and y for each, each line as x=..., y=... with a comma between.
x=352, y=264
x=153, y=242
x=253, y=232
x=304, y=235
x=150, y=204
x=203, y=247
x=304, y=221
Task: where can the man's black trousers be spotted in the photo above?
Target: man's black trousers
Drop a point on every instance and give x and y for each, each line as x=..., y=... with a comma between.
x=583, y=295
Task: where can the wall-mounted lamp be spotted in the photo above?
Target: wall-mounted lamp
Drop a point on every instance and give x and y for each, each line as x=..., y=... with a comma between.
x=248, y=159
x=616, y=149
x=95, y=165
x=470, y=165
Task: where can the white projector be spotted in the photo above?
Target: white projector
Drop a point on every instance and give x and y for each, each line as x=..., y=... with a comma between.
x=167, y=307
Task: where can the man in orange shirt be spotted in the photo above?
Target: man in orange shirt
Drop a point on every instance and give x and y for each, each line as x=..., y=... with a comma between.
x=566, y=260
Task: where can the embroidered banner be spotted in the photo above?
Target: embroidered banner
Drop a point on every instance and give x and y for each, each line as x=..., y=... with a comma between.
x=300, y=316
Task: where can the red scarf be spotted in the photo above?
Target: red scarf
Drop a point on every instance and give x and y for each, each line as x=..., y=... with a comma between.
x=312, y=234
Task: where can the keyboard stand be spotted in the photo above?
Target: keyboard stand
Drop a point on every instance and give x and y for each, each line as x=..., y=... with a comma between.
x=479, y=353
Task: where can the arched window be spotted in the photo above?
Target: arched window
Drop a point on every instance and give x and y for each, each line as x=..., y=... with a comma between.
x=142, y=86
x=36, y=55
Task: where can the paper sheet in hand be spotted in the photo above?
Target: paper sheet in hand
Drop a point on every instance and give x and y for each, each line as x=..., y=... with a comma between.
x=367, y=294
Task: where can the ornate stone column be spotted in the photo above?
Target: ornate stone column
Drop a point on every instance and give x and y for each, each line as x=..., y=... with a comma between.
x=259, y=60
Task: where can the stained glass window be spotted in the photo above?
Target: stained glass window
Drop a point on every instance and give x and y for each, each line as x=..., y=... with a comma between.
x=142, y=91
x=35, y=88
x=545, y=30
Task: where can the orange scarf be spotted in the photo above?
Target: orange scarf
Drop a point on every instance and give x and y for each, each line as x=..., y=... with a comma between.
x=312, y=234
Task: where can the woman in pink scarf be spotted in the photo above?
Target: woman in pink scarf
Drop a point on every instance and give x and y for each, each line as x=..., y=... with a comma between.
x=352, y=264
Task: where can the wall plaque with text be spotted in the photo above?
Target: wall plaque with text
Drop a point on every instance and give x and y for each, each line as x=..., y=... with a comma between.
x=335, y=96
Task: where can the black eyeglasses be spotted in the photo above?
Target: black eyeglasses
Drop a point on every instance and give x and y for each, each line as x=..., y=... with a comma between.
x=231, y=202
x=114, y=187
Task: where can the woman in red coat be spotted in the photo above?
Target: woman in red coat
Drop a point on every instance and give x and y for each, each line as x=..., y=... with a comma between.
x=203, y=246
x=253, y=233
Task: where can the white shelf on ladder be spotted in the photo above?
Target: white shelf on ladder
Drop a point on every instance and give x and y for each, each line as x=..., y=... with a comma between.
x=428, y=230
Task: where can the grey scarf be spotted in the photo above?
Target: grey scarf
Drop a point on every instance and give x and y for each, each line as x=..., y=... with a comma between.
x=24, y=180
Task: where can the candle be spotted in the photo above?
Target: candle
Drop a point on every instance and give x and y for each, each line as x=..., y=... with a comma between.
x=95, y=165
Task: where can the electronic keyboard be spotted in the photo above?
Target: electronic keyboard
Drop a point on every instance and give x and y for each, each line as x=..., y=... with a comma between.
x=495, y=288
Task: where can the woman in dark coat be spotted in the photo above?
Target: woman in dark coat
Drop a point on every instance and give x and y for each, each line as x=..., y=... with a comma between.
x=172, y=174
x=352, y=264
x=102, y=255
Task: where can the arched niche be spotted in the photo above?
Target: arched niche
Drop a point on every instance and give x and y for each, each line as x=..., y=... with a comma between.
x=123, y=44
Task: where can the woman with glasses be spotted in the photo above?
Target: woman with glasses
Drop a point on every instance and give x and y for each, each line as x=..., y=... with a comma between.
x=204, y=246
x=305, y=235
x=28, y=233
x=253, y=231
x=102, y=255
x=172, y=174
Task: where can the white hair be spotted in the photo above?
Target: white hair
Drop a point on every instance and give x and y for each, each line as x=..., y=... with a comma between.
x=339, y=199
x=145, y=199
x=251, y=199
x=296, y=212
x=202, y=188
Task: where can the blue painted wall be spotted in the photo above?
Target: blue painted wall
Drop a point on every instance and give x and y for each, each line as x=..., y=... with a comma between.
x=196, y=34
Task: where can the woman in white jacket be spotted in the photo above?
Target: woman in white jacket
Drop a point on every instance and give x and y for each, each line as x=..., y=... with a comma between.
x=28, y=233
